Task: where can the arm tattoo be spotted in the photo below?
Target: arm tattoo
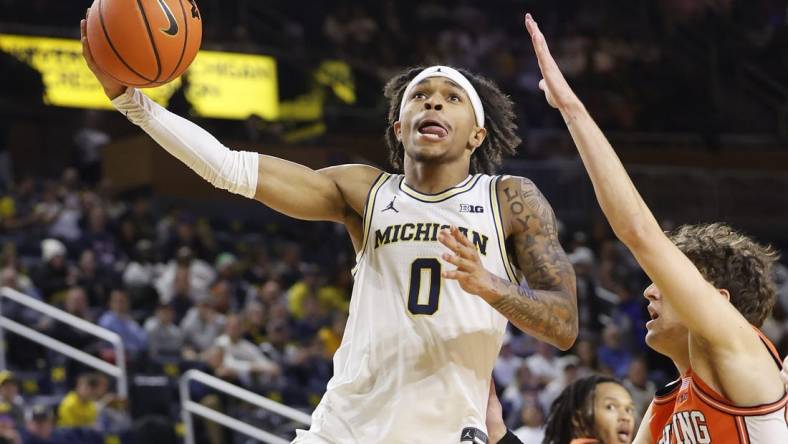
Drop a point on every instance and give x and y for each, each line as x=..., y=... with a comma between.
x=545, y=305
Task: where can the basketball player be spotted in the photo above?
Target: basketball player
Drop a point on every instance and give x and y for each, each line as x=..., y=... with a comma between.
x=593, y=410
x=711, y=290
x=426, y=321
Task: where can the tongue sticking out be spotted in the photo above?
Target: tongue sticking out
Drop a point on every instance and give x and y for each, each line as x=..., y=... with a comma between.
x=434, y=130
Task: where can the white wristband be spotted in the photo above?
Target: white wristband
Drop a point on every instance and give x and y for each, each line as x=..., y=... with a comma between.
x=234, y=171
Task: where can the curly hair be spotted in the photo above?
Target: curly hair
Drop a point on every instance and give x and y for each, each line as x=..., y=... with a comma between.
x=572, y=413
x=499, y=120
x=732, y=261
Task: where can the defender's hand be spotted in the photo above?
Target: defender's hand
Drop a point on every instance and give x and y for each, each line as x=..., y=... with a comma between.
x=559, y=94
x=470, y=272
x=112, y=88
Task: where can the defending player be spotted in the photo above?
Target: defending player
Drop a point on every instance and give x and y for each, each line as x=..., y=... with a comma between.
x=711, y=290
x=422, y=337
x=596, y=409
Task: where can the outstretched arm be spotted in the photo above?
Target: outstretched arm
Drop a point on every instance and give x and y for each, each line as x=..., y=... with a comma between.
x=334, y=194
x=698, y=304
x=643, y=435
x=545, y=303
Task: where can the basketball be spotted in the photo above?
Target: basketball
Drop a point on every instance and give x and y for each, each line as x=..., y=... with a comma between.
x=144, y=43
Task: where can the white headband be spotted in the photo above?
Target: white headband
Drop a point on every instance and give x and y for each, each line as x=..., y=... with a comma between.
x=453, y=75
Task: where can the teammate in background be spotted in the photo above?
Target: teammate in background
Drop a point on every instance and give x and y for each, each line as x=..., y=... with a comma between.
x=711, y=290
x=593, y=410
x=426, y=322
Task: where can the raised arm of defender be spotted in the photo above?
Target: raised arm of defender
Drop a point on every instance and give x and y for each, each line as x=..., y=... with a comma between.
x=334, y=194
x=724, y=337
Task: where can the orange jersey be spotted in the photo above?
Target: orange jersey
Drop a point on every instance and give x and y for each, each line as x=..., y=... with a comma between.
x=689, y=411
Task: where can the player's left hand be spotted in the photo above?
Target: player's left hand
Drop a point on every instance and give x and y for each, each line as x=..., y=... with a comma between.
x=558, y=92
x=470, y=273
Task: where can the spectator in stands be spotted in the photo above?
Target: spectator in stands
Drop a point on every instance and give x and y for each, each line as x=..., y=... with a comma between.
x=76, y=304
x=140, y=274
x=310, y=286
x=11, y=278
x=532, y=418
x=64, y=211
x=223, y=301
x=185, y=234
x=568, y=365
x=638, y=385
x=331, y=336
x=255, y=322
x=95, y=278
x=79, y=407
x=270, y=293
x=8, y=431
x=311, y=321
x=118, y=319
x=142, y=269
x=612, y=354
x=525, y=383
x=183, y=296
x=142, y=217
x=201, y=326
x=259, y=268
x=54, y=275
x=590, y=306
x=113, y=409
x=213, y=360
x=98, y=238
x=544, y=364
x=201, y=275
x=585, y=349
x=11, y=403
x=89, y=142
x=507, y=364
x=40, y=427
x=165, y=338
x=288, y=267
x=16, y=208
x=228, y=270
x=278, y=348
x=307, y=287
x=244, y=358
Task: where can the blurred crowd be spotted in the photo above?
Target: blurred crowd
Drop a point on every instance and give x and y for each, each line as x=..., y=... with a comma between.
x=263, y=306
x=244, y=304
x=669, y=65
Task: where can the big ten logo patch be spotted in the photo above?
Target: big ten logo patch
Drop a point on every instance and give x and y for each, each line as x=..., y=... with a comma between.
x=466, y=208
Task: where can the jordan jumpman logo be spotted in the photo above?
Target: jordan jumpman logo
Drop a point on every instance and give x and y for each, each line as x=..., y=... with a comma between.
x=390, y=206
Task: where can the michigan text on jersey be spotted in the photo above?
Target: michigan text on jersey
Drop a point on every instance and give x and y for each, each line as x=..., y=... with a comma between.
x=424, y=232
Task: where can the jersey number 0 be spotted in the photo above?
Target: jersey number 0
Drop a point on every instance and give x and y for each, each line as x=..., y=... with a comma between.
x=416, y=303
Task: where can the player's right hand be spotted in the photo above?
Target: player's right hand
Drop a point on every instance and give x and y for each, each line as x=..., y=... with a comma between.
x=112, y=88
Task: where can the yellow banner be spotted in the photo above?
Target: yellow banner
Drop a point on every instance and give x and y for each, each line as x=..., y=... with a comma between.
x=233, y=86
x=222, y=85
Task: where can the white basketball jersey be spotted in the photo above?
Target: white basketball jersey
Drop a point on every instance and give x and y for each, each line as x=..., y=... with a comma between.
x=418, y=352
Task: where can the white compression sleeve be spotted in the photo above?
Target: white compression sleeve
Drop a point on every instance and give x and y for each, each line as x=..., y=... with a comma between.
x=234, y=171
